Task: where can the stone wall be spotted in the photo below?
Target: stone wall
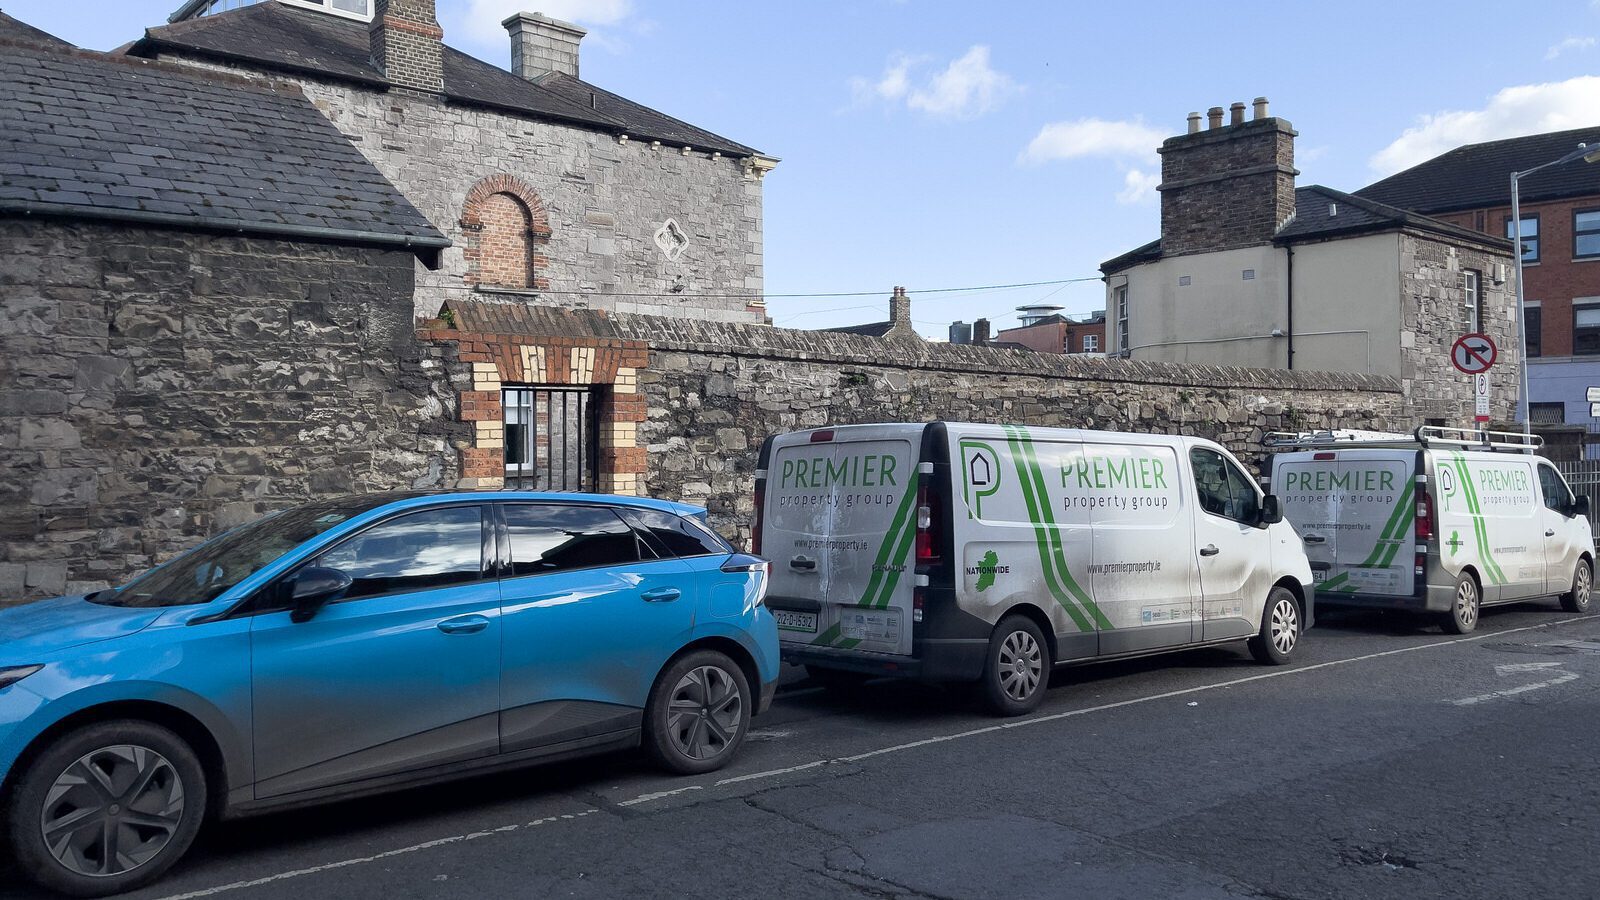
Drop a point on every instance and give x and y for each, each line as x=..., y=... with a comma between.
x=605, y=201
x=1433, y=316
x=159, y=386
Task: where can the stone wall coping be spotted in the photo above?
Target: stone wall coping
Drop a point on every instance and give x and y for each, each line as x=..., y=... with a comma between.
x=763, y=341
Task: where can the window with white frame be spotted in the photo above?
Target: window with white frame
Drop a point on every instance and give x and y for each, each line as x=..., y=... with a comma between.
x=1091, y=343
x=1472, y=298
x=1120, y=304
x=355, y=9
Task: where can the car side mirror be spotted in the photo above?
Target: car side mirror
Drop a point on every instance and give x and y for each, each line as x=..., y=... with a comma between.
x=1580, y=506
x=312, y=588
x=1271, y=511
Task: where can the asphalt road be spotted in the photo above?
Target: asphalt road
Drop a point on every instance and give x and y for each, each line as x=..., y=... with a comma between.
x=1389, y=760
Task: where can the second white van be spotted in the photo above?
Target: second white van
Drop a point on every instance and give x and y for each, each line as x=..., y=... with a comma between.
x=991, y=553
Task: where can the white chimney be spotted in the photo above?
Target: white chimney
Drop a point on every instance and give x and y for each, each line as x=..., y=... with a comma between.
x=541, y=45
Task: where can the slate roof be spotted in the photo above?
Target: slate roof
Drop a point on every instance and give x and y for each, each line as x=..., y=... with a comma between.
x=1315, y=218
x=1479, y=175
x=12, y=29
x=871, y=329
x=287, y=39
x=91, y=136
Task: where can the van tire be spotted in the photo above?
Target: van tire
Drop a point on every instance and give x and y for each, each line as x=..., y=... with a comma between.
x=1016, y=670
x=164, y=781
x=1465, y=605
x=717, y=684
x=1280, y=628
x=843, y=682
x=1577, y=599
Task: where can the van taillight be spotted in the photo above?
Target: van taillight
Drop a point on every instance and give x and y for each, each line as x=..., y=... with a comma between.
x=822, y=437
x=1422, y=565
x=919, y=602
x=927, y=522
x=755, y=524
x=1424, y=517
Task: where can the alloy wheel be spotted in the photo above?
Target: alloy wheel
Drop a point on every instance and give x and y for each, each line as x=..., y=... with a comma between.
x=112, y=811
x=705, y=713
x=1285, y=627
x=1467, y=603
x=1582, y=585
x=1021, y=665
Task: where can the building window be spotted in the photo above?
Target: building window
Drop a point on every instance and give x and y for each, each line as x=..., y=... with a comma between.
x=1091, y=343
x=552, y=438
x=1533, y=328
x=1120, y=304
x=1547, y=413
x=1472, y=298
x=1586, y=329
x=1586, y=233
x=1530, y=236
x=506, y=229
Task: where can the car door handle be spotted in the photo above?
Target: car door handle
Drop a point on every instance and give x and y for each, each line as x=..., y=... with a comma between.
x=1209, y=550
x=661, y=595
x=464, y=625
x=800, y=562
x=1315, y=539
x=1549, y=532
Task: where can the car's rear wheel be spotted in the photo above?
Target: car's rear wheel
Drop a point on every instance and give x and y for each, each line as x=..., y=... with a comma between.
x=698, y=713
x=1280, y=628
x=1463, y=615
x=1017, y=669
x=1577, y=599
x=106, y=809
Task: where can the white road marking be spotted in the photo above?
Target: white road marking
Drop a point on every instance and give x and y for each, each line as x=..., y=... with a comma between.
x=1503, y=671
x=991, y=729
x=1513, y=669
x=345, y=863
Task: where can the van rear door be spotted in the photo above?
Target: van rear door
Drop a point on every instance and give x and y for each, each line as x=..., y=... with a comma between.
x=1354, y=510
x=839, y=528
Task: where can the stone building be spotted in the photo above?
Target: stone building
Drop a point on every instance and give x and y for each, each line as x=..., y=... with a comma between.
x=1251, y=270
x=1560, y=210
x=552, y=189
x=205, y=315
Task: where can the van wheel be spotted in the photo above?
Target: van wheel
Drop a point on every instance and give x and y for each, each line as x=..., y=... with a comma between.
x=698, y=713
x=106, y=808
x=1280, y=628
x=1577, y=599
x=837, y=681
x=1463, y=615
x=1017, y=669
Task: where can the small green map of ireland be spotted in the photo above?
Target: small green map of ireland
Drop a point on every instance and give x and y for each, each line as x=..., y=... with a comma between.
x=986, y=569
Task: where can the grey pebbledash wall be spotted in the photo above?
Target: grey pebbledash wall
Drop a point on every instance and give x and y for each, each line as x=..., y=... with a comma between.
x=159, y=386
x=605, y=200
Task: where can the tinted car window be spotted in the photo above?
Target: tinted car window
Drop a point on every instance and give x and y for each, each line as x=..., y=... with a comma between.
x=434, y=548
x=1556, y=495
x=675, y=535
x=557, y=538
x=1223, y=489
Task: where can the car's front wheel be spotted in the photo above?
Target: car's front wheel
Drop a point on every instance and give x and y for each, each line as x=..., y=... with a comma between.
x=698, y=713
x=1280, y=628
x=107, y=808
x=1577, y=599
x=1463, y=615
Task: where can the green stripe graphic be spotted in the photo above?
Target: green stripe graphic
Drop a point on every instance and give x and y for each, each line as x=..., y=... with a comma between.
x=1390, y=540
x=1052, y=556
x=1480, y=530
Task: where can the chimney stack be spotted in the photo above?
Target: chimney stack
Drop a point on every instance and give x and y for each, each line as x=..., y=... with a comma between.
x=407, y=44
x=900, y=310
x=1194, y=122
x=541, y=45
x=1229, y=186
x=980, y=332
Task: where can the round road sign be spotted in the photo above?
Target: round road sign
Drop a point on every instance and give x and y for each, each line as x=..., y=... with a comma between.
x=1473, y=353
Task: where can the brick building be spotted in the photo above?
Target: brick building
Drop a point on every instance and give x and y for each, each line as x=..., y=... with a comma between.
x=1560, y=206
x=1252, y=270
x=1059, y=334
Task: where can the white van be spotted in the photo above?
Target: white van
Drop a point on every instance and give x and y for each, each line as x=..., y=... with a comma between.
x=1444, y=520
x=990, y=553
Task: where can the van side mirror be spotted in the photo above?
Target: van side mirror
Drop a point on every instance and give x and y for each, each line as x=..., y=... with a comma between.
x=311, y=588
x=1580, y=506
x=1271, y=511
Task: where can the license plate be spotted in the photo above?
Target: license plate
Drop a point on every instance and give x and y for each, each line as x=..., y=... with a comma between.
x=795, y=621
x=1319, y=575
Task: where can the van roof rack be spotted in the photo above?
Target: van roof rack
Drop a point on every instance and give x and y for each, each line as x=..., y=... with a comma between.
x=1425, y=435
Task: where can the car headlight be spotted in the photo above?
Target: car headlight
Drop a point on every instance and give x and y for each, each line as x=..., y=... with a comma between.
x=12, y=674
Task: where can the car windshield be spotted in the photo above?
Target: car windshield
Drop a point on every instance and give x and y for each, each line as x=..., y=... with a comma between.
x=202, y=574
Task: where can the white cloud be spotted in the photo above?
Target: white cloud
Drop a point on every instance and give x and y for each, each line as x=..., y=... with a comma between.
x=1512, y=112
x=483, y=17
x=1093, y=137
x=1138, y=186
x=1571, y=43
x=969, y=86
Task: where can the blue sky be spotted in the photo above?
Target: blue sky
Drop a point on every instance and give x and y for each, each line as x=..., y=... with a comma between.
x=942, y=144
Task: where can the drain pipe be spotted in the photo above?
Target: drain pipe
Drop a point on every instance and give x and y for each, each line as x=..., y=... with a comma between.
x=1289, y=303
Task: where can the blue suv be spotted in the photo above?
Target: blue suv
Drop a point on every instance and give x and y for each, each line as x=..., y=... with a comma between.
x=365, y=644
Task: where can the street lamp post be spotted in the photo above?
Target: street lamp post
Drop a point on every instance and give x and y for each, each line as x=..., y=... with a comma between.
x=1588, y=155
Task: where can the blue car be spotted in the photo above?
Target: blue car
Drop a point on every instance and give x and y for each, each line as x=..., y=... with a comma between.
x=365, y=644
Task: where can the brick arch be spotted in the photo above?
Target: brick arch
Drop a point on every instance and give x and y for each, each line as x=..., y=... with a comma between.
x=507, y=229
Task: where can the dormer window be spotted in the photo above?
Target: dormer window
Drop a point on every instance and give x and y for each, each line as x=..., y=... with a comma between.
x=360, y=10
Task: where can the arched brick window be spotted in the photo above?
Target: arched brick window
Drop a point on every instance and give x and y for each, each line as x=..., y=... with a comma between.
x=506, y=231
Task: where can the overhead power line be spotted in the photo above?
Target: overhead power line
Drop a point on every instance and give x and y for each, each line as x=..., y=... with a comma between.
x=687, y=295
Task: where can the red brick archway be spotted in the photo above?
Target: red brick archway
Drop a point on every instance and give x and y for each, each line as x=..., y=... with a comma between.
x=507, y=229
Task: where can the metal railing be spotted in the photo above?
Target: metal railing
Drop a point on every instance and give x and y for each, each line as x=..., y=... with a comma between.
x=552, y=438
x=1583, y=476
